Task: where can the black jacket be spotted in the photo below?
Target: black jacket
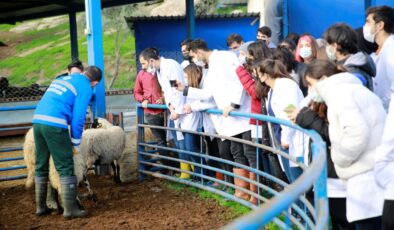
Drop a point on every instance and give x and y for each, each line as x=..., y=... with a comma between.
x=308, y=119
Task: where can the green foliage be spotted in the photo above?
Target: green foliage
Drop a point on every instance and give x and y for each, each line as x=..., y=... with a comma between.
x=42, y=65
x=236, y=209
x=6, y=27
x=228, y=10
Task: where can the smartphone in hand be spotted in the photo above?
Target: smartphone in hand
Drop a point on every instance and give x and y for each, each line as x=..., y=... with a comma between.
x=289, y=109
x=173, y=83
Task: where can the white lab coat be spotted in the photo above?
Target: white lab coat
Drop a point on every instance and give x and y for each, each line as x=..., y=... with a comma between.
x=185, y=63
x=384, y=168
x=171, y=70
x=356, y=120
x=285, y=92
x=223, y=85
x=200, y=105
x=336, y=188
x=383, y=82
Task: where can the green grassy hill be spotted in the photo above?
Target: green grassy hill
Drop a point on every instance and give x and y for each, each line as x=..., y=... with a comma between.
x=37, y=56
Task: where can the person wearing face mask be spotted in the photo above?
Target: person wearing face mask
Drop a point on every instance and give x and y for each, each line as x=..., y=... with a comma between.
x=244, y=73
x=264, y=34
x=314, y=116
x=148, y=91
x=257, y=51
x=224, y=87
x=356, y=120
x=185, y=53
x=234, y=41
x=283, y=91
x=168, y=70
x=243, y=52
x=379, y=27
x=306, y=50
x=342, y=49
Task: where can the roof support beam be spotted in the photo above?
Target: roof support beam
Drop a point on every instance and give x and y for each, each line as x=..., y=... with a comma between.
x=94, y=35
x=73, y=34
x=369, y=3
x=190, y=19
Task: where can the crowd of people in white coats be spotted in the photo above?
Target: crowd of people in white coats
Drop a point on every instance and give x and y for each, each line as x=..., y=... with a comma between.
x=339, y=85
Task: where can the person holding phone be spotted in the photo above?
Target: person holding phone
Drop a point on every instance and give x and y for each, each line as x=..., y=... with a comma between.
x=168, y=70
x=224, y=87
x=283, y=97
x=356, y=118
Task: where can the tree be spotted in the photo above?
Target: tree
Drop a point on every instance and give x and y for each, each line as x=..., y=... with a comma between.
x=206, y=7
x=114, y=22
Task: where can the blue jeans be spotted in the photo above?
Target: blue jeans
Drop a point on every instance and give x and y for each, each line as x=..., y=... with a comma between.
x=286, y=164
x=192, y=144
x=292, y=173
x=295, y=172
x=262, y=158
x=180, y=144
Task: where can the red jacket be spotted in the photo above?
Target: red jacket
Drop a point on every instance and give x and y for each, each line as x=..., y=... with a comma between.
x=248, y=84
x=147, y=88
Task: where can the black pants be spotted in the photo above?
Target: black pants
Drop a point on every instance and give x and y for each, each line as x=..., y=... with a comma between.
x=369, y=224
x=337, y=208
x=212, y=146
x=225, y=153
x=242, y=153
x=159, y=134
x=388, y=215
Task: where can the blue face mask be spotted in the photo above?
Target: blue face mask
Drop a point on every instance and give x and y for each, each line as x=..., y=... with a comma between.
x=236, y=52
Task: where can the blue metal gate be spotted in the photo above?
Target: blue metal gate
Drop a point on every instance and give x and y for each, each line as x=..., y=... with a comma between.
x=286, y=208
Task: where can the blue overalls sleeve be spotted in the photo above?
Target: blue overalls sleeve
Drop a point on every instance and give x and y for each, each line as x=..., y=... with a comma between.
x=79, y=114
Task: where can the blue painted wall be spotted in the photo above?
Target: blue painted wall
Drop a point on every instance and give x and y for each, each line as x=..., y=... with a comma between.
x=314, y=17
x=168, y=34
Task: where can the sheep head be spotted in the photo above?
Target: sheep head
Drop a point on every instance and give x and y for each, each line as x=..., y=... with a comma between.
x=101, y=123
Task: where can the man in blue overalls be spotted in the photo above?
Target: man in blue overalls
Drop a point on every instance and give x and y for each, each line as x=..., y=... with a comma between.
x=63, y=105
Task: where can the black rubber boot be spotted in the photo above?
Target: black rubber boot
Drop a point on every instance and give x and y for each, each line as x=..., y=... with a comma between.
x=41, y=196
x=69, y=198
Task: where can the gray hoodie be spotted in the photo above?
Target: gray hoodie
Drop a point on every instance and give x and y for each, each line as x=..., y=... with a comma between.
x=362, y=64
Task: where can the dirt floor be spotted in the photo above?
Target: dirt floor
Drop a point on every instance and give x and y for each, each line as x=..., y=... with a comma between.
x=147, y=205
x=136, y=205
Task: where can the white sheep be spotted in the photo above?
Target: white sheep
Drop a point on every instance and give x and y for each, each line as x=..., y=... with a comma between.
x=29, y=154
x=105, y=144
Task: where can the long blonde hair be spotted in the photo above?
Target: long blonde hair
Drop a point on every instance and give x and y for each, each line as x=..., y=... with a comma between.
x=194, y=75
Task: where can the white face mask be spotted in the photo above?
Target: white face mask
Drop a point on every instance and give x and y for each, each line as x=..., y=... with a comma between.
x=330, y=53
x=199, y=62
x=151, y=70
x=242, y=59
x=305, y=52
x=314, y=95
x=367, y=34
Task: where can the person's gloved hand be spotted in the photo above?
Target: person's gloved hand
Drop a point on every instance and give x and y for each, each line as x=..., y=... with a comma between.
x=76, y=150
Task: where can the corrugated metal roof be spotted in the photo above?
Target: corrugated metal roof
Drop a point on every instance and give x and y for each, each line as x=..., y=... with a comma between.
x=180, y=17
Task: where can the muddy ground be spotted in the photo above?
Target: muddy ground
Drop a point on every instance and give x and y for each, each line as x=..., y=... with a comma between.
x=136, y=205
x=147, y=205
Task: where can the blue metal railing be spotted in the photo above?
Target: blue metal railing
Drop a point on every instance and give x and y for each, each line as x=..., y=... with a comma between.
x=286, y=208
x=11, y=149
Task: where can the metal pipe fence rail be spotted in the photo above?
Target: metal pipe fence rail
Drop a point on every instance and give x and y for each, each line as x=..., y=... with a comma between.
x=287, y=208
x=11, y=149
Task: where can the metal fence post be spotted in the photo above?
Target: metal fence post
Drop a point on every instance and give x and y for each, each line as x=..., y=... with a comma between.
x=140, y=138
